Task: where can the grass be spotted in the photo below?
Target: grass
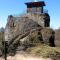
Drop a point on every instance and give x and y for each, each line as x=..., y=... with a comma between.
x=44, y=51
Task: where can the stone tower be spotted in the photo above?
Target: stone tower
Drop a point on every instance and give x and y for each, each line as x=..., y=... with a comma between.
x=38, y=8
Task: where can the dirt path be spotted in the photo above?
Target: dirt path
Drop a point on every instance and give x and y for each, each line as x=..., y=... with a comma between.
x=25, y=57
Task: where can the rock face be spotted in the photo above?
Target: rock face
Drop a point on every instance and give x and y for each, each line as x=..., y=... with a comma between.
x=20, y=25
x=45, y=35
x=26, y=29
x=48, y=36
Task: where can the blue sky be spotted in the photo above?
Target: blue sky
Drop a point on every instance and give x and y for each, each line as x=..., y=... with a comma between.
x=16, y=7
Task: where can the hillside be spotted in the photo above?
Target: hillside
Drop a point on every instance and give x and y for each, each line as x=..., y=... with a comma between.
x=45, y=51
x=1, y=37
x=1, y=40
x=57, y=37
x=39, y=49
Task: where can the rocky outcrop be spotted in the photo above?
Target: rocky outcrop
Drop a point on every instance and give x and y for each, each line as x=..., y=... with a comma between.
x=27, y=30
x=32, y=38
x=22, y=24
x=48, y=36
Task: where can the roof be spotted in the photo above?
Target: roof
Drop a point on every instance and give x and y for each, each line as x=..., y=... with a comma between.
x=35, y=4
